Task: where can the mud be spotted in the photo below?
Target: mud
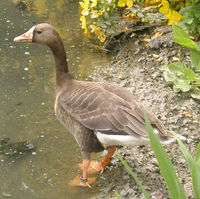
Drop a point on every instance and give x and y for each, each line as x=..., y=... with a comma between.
x=137, y=66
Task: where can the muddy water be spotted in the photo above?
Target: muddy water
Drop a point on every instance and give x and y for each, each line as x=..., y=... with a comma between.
x=27, y=100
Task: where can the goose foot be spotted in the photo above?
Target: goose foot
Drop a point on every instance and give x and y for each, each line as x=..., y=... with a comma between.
x=93, y=168
x=78, y=182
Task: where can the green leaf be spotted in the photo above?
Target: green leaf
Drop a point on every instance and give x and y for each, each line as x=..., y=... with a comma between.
x=110, y=31
x=176, y=89
x=197, y=155
x=186, y=10
x=175, y=189
x=194, y=165
x=190, y=20
x=133, y=175
x=195, y=59
x=184, y=150
x=195, y=96
x=182, y=38
x=183, y=84
x=196, y=179
x=177, y=67
x=169, y=76
x=117, y=195
x=189, y=74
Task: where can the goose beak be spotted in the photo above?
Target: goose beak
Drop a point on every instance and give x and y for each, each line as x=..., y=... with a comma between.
x=27, y=37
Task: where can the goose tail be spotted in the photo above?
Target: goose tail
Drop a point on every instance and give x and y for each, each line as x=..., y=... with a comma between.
x=168, y=139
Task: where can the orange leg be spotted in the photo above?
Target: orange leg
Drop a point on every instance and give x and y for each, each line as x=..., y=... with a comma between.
x=86, y=164
x=83, y=180
x=99, y=167
x=92, y=167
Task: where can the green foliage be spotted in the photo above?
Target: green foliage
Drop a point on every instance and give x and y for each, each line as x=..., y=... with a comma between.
x=167, y=170
x=181, y=37
x=103, y=17
x=185, y=78
x=191, y=20
x=100, y=16
x=194, y=165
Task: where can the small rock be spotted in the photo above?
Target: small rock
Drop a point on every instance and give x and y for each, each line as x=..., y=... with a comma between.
x=123, y=193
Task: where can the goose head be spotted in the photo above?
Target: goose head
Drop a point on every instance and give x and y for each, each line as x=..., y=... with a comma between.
x=42, y=33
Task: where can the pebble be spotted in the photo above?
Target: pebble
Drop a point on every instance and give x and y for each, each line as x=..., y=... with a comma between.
x=123, y=193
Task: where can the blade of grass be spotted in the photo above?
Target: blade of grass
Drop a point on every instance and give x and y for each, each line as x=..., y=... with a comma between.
x=194, y=165
x=167, y=170
x=133, y=175
x=196, y=180
x=117, y=195
x=197, y=155
x=185, y=152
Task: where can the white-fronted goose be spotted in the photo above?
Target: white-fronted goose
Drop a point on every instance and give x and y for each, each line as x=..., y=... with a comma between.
x=97, y=114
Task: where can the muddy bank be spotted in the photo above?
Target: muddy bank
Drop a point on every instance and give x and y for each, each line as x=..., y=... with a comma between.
x=137, y=66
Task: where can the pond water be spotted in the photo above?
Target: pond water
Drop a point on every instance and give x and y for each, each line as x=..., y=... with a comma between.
x=27, y=100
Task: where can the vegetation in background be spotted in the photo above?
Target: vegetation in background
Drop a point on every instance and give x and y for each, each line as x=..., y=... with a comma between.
x=191, y=20
x=103, y=16
x=167, y=170
x=185, y=77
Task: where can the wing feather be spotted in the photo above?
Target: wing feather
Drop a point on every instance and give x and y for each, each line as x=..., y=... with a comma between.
x=105, y=107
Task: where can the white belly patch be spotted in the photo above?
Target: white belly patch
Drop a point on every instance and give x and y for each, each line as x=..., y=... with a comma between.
x=120, y=140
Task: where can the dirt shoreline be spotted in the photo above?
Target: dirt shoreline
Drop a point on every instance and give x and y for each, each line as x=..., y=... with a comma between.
x=137, y=67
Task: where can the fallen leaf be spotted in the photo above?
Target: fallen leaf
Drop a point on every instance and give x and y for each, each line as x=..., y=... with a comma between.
x=158, y=34
x=155, y=56
x=160, y=59
x=147, y=40
x=185, y=114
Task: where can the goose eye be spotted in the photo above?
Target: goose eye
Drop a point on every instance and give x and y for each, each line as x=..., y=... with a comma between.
x=39, y=31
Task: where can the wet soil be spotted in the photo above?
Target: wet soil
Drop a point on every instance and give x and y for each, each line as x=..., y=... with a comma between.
x=137, y=66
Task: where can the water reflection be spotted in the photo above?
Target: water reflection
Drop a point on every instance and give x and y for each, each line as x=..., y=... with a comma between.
x=27, y=99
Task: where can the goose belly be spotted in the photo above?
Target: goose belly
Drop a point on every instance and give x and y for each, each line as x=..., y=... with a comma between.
x=120, y=140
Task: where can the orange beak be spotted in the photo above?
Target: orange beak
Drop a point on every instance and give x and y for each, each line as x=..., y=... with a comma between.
x=28, y=36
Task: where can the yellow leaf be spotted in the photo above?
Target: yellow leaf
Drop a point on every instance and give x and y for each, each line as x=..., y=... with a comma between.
x=94, y=3
x=174, y=17
x=83, y=23
x=82, y=4
x=101, y=36
x=121, y=3
x=85, y=12
x=151, y=2
x=129, y=3
x=165, y=8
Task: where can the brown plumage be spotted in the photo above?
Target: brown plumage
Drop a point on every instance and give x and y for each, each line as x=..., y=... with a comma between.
x=90, y=110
